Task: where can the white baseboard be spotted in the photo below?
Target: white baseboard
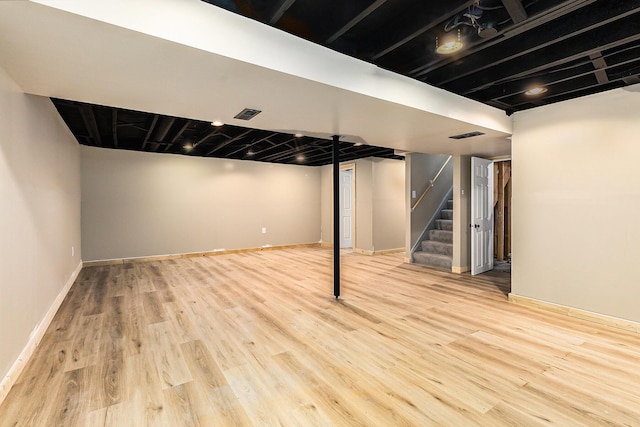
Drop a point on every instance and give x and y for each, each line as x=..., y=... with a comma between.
x=36, y=336
x=374, y=253
x=98, y=263
x=601, y=319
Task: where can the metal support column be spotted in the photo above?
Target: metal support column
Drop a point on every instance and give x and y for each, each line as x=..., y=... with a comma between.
x=336, y=216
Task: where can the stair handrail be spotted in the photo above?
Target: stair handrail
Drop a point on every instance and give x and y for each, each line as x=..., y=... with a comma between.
x=431, y=184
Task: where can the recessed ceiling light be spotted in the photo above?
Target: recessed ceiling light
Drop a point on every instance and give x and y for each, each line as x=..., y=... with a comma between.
x=217, y=123
x=538, y=90
x=450, y=44
x=449, y=47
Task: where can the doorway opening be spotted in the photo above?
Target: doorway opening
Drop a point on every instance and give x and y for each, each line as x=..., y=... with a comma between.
x=491, y=215
x=502, y=214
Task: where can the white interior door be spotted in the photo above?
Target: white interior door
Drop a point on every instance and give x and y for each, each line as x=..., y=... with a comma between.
x=481, y=215
x=346, y=208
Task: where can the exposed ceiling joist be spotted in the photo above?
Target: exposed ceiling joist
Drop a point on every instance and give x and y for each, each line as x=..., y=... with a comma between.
x=307, y=147
x=151, y=128
x=516, y=10
x=229, y=141
x=91, y=124
x=279, y=10
x=275, y=146
x=375, y=5
x=600, y=65
x=258, y=141
x=178, y=135
x=114, y=127
x=213, y=132
x=557, y=59
x=164, y=128
x=514, y=85
x=505, y=90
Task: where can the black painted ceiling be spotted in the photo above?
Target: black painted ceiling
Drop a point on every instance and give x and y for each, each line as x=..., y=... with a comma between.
x=109, y=127
x=572, y=48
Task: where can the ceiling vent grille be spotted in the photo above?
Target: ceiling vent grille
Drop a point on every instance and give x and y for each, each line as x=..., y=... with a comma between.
x=247, y=114
x=467, y=135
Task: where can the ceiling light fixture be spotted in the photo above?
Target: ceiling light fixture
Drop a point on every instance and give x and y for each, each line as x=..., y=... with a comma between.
x=450, y=45
x=538, y=90
x=250, y=152
x=217, y=123
x=300, y=157
x=298, y=135
x=487, y=30
x=357, y=144
x=188, y=146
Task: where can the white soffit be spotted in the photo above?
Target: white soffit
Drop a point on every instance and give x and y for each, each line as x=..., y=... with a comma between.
x=190, y=59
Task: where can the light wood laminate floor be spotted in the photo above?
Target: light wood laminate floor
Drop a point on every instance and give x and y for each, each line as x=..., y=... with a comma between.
x=257, y=339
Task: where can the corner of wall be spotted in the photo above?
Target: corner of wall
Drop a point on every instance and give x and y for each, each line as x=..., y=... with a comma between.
x=461, y=214
x=35, y=337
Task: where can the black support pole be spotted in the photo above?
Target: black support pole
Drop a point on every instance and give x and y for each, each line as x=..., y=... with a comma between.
x=336, y=216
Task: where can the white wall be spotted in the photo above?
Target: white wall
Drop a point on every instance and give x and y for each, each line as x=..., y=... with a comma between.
x=576, y=203
x=142, y=204
x=364, y=205
x=379, y=207
x=388, y=200
x=39, y=214
x=461, y=261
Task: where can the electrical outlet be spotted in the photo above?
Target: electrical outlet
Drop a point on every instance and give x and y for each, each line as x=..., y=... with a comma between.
x=264, y=230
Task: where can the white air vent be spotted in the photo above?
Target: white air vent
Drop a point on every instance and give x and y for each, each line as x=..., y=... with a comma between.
x=247, y=114
x=467, y=135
